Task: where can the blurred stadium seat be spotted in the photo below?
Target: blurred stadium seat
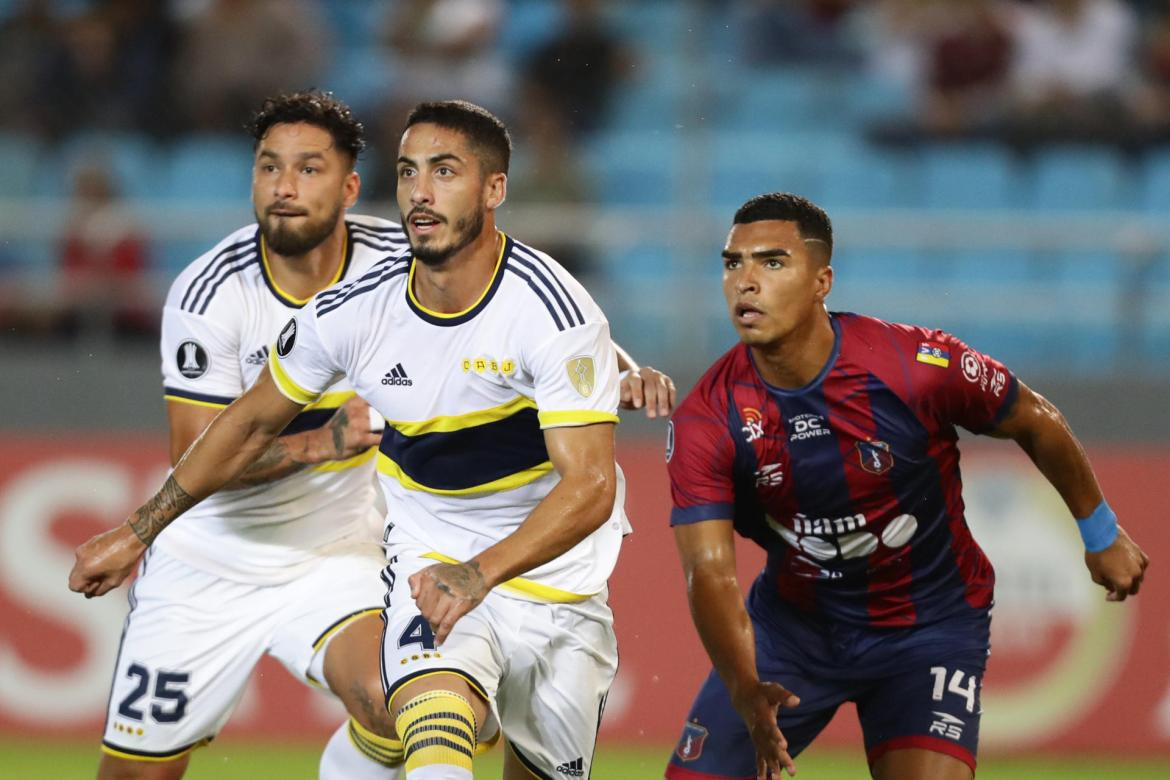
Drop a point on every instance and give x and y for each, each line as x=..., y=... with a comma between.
x=1077, y=179
x=210, y=167
x=968, y=177
x=19, y=155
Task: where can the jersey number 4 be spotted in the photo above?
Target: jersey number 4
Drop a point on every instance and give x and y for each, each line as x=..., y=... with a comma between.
x=418, y=632
x=170, y=701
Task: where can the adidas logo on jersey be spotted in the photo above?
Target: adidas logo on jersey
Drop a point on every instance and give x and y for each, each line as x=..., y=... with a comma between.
x=574, y=768
x=257, y=358
x=397, y=376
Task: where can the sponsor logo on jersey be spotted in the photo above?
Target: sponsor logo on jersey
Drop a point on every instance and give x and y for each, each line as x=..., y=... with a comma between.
x=669, y=440
x=257, y=358
x=753, y=424
x=807, y=426
x=998, y=383
x=192, y=359
x=580, y=370
x=486, y=365
x=286, y=339
x=934, y=353
x=690, y=746
x=972, y=366
x=397, y=377
x=947, y=725
x=574, y=768
x=829, y=538
x=875, y=456
x=771, y=475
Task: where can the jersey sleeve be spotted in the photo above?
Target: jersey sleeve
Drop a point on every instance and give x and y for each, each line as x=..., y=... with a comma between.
x=575, y=377
x=963, y=386
x=301, y=361
x=200, y=359
x=700, y=459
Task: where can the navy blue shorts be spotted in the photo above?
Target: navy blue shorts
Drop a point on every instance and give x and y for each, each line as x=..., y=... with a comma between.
x=913, y=687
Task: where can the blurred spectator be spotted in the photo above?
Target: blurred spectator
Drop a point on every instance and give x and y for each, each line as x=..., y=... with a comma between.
x=28, y=40
x=237, y=52
x=968, y=58
x=805, y=32
x=1073, y=59
x=104, y=261
x=1151, y=100
x=576, y=70
x=546, y=172
x=446, y=49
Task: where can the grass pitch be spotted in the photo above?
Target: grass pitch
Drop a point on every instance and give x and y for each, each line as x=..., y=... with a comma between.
x=31, y=760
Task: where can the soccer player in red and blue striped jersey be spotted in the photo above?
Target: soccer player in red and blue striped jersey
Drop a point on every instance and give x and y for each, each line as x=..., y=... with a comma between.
x=829, y=439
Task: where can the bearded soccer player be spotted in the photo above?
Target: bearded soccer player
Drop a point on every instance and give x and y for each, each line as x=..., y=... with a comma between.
x=829, y=439
x=499, y=384
x=285, y=559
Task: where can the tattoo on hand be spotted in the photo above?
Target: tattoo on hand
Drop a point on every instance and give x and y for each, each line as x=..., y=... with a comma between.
x=461, y=580
x=337, y=427
x=157, y=513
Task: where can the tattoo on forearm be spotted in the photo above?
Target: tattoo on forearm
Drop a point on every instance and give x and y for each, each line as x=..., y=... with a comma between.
x=279, y=457
x=157, y=513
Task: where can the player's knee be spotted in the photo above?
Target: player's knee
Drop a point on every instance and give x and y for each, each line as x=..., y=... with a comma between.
x=437, y=727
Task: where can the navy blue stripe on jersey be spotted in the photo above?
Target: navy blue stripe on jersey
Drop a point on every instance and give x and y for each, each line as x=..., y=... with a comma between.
x=225, y=268
x=309, y=420
x=225, y=255
x=361, y=286
x=539, y=293
x=375, y=245
x=537, y=277
x=392, y=229
x=469, y=457
x=373, y=272
x=531, y=255
x=253, y=259
x=397, y=237
x=201, y=397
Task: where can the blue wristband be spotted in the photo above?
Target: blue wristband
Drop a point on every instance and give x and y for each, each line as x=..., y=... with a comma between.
x=1099, y=529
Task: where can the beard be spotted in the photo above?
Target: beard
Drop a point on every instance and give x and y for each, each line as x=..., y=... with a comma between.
x=285, y=239
x=467, y=229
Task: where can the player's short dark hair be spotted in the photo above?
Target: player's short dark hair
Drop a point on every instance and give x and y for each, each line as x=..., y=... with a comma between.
x=489, y=136
x=810, y=218
x=315, y=108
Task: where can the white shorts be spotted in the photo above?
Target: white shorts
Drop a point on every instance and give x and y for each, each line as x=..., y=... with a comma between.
x=191, y=640
x=545, y=669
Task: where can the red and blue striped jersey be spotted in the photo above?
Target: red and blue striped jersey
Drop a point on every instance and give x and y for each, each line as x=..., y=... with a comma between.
x=851, y=483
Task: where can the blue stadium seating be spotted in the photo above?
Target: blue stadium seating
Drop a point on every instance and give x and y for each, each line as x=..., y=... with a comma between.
x=1077, y=179
x=1155, y=189
x=135, y=162
x=211, y=167
x=19, y=156
x=968, y=177
x=635, y=168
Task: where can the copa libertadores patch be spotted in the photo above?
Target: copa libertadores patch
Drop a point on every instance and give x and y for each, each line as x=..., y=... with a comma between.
x=192, y=359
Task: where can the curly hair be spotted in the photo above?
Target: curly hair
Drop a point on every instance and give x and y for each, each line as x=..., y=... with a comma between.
x=313, y=107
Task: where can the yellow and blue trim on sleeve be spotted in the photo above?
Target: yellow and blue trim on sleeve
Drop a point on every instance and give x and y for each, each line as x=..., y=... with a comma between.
x=571, y=417
x=285, y=384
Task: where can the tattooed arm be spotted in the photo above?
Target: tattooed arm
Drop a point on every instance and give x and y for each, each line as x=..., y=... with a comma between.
x=345, y=435
x=238, y=436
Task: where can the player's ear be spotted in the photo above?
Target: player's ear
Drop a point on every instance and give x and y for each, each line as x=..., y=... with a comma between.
x=824, y=282
x=496, y=190
x=351, y=188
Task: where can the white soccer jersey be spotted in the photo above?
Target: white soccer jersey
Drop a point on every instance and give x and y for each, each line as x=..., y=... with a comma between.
x=221, y=315
x=465, y=396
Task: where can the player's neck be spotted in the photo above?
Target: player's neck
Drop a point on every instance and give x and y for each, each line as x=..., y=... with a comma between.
x=797, y=359
x=459, y=282
x=303, y=276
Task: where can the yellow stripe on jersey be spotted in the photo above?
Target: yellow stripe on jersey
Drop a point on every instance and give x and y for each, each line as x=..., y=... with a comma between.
x=288, y=296
x=154, y=759
x=457, y=422
x=511, y=482
x=331, y=400
x=498, y=270
x=191, y=401
x=287, y=387
x=348, y=463
x=525, y=586
x=574, y=417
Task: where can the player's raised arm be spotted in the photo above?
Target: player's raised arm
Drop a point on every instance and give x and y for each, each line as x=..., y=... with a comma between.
x=235, y=438
x=582, y=500
x=1114, y=560
x=644, y=386
x=707, y=552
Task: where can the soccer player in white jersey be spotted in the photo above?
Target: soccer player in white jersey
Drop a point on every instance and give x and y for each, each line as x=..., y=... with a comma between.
x=295, y=152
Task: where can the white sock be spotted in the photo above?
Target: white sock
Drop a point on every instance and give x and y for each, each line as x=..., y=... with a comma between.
x=439, y=772
x=343, y=761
